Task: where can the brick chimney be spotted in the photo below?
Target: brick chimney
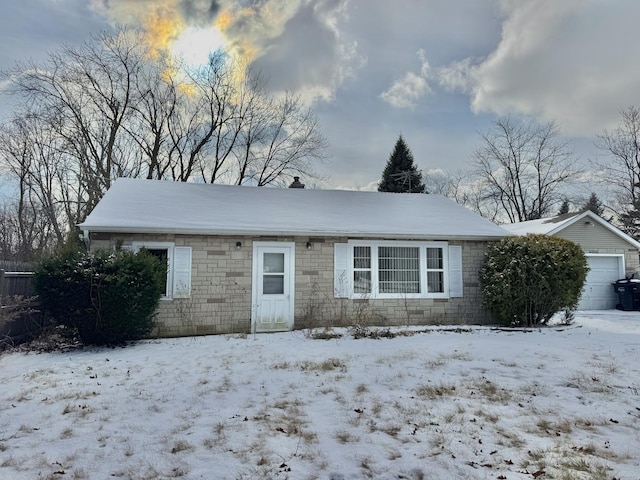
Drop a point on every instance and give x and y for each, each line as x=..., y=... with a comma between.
x=296, y=183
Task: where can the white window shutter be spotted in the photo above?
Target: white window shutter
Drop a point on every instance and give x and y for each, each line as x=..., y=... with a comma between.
x=341, y=270
x=455, y=271
x=181, y=272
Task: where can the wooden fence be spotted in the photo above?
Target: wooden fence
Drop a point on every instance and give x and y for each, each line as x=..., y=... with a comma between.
x=20, y=319
x=15, y=283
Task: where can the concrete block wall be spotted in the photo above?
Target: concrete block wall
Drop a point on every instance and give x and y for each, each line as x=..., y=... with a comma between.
x=221, y=280
x=317, y=307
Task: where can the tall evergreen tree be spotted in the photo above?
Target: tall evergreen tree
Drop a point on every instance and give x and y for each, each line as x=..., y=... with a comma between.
x=594, y=204
x=400, y=175
x=564, y=208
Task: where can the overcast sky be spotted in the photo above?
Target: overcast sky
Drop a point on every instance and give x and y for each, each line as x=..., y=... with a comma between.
x=436, y=71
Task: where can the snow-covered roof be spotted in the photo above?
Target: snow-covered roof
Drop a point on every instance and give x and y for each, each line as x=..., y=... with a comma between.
x=553, y=225
x=152, y=206
x=543, y=226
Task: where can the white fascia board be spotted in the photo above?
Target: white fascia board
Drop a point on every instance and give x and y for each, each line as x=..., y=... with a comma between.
x=291, y=233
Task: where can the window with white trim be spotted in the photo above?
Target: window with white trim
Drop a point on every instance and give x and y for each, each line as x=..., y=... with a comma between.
x=435, y=269
x=396, y=269
x=362, y=269
x=178, y=261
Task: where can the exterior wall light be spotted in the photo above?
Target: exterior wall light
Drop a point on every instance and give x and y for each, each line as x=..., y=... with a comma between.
x=238, y=245
x=308, y=245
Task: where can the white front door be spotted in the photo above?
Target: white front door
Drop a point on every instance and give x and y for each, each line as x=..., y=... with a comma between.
x=273, y=286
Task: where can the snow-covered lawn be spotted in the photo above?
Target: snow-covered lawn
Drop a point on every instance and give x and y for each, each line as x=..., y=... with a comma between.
x=472, y=404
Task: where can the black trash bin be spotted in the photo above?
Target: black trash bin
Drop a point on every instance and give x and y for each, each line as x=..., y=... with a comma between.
x=628, y=290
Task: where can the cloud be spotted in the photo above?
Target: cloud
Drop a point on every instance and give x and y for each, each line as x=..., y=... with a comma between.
x=569, y=61
x=405, y=92
x=297, y=44
x=310, y=55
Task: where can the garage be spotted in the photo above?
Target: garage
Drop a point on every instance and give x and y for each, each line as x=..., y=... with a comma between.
x=598, y=293
x=611, y=253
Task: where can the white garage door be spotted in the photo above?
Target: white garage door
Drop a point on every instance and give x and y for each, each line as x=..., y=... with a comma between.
x=598, y=293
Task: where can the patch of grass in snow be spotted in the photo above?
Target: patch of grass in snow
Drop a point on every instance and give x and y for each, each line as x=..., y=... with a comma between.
x=219, y=437
x=461, y=356
x=79, y=474
x=589, y=382
x=66, y=433
x=535, y=457
x=181, y=446
x=438, y=362
x=22, y=396
x=81, y=410
x=344, y=436
x=489, y=390
x=505, y=363
x=534, y=389
x=391, y=428
x=365, y=465
x=26, y=428
x=10, y=461
x=394, y=454
x=436, y=391
x=438, y=443
x=509, y=438
x=607, y=367
x=282, y=366
x=128, y=450
x=74, y=395
x=324, y=334
x=327, y=365
x=361, y=389
x=225, y=386
x=554, y=428
x=489, y=417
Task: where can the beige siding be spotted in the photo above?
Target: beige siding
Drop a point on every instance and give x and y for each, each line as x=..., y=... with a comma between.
x=595, y=238
x=221, y=288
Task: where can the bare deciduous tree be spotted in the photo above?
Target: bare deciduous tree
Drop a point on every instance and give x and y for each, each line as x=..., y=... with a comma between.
x=523, y=169
x=110, y=109
x=622, y=170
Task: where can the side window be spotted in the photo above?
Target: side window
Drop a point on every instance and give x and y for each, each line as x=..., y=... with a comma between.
x=163, y=255
x=163, y=251
x=362, y=270
x=435, y=270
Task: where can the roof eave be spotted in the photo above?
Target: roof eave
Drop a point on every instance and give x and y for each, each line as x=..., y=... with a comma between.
x=291, y=233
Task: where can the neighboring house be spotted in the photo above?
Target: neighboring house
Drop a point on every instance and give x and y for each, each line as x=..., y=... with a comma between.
x=611, y=254
x=249, y=259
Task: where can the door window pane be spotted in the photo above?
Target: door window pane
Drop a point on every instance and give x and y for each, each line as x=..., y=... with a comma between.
x=273, y=263
x=273, y=284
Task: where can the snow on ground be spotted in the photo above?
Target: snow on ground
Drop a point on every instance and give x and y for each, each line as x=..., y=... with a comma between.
x=473, y=404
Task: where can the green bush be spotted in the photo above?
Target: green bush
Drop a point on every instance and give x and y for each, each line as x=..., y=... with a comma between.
x=109, y=297
x=526, y=280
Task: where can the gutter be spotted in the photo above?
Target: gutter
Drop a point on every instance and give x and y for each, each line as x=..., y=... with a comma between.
x=290, y=233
